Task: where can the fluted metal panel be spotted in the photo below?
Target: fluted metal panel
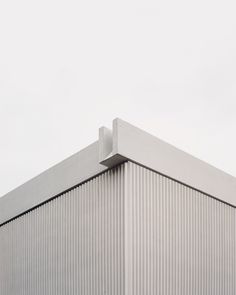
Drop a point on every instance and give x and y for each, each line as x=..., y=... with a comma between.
x=70, y=245
x=128, y=231
x=178, y=241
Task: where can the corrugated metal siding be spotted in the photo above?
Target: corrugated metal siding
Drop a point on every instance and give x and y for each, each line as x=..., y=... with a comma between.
x=70, y=245
x=128, y=231
x=178, y=240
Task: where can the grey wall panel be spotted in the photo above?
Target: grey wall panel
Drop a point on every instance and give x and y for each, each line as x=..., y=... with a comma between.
x=127, y=231
x=178, y=240
x=70, y=245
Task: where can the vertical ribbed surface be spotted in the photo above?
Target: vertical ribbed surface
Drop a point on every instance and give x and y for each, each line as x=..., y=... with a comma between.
x=129, y=231
x=70, y=245
x=178, y=240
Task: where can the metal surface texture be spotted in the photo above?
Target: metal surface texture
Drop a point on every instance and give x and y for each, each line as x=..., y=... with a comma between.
x=178, y=240
x=70, y=245
x=127, y=231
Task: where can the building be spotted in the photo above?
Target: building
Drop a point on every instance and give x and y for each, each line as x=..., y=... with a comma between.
x=129, y=214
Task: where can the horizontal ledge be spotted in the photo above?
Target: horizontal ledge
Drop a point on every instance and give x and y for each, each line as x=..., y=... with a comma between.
x=54, y=181
x=123, y=143
x=131, y=143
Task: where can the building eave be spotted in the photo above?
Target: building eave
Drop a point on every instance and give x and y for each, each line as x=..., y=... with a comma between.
x=123, y=143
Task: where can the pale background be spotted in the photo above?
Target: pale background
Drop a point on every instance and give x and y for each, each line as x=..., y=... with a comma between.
x=68, y=67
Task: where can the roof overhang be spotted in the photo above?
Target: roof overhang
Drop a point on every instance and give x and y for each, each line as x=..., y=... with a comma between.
x=123, y=143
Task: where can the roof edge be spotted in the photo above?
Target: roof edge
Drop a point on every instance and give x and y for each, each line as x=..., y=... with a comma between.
x=67, y=174
x=127, y=142
x=123, y=143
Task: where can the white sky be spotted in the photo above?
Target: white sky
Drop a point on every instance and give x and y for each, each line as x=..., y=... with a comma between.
x=68, y=67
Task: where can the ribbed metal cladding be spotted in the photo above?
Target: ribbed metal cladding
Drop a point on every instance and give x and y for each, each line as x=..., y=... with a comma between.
x=178, y=240
x=127, y=231
x=70, y=245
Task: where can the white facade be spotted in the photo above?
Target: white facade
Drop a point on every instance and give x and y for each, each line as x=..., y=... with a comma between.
x=128, y=215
